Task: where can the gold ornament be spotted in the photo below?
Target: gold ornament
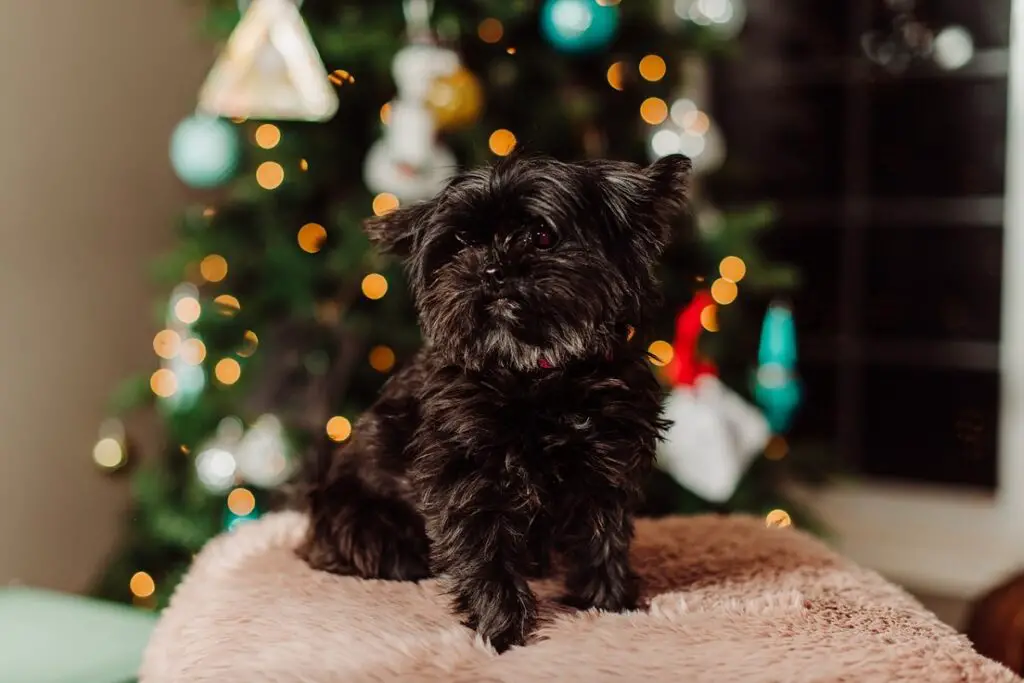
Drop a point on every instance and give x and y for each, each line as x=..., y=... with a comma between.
x=456, y=99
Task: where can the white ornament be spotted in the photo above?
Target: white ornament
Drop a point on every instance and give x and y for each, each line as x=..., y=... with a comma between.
x=215, y=467
x=715, y=434
x=269, y=69
x=408, y=161
x=383, y=173
x=262, y=453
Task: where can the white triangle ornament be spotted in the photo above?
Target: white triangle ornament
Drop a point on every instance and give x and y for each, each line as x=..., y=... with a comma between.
x=269, y=69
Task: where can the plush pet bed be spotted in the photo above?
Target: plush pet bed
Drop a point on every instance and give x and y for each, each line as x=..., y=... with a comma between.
x=726, y=600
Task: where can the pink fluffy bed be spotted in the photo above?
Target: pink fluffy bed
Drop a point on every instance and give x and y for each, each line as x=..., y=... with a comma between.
x=728, y=600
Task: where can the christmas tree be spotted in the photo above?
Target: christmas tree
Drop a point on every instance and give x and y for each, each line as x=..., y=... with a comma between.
x=281, y=322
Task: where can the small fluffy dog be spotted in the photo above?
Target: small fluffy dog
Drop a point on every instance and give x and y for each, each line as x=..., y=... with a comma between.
x=527, y=423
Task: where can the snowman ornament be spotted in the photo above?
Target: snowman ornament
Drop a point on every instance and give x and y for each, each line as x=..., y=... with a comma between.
x=409, y=161
x=714, y=434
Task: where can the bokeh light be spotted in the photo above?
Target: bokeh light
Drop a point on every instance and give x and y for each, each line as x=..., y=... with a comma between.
x=311, y=237
x=241, y=502
x=777, y=448
x=778, y=518
x=382, y=358
x=227, y=371
x=490, y=30
x=339, y=428
x=653, y=110
x=249, y=344
x=108, y=453
x=502, y=142
x=142, y=585
x=732, y=268
x=213, y=268
x=227, y=305
x=187, y=309
x=723, y=291
x=709, y=318
x=270, y=175
x=166, y=344
x=661, y=353
x=385, y=113
x=268, y=135
x=374, y=286
x=193, y=351
x=652, y=68
x=616, y=74
x=341, y=77
x=164, y=383
x=384, y=203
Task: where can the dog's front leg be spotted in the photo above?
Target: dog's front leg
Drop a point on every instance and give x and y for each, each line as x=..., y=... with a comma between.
x=479, y=543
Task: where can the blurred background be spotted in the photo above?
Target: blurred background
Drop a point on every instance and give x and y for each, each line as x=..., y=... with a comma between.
x=189, y=305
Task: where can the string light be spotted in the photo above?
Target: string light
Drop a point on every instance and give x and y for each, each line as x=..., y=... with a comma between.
x=615, y=75
x=385, y=113
x=510, y=50
x=227, y=371
x=193, y=351
x=340, y=77
x=166, y=344
x=214, y=268
x=142, y=585
x=269, y=175
x=251, y=341
x=209, y=212
x=164, y=383
x=653, y=110
x=187, y=309
x=777, y=448
x=732, y=268
x=502, y=142
x=241, y=502
x=661, y=353
x=384, y=203
x=228, y=305
x=339, y=428
x=311, y=237
x=374, y=286
x=778, y=518
x=382, y=358
x=490, y=30
x=652, y=68
x=709, y=318
x=108, y=453
x=723, y=291
x=268, y=135
x=303, y=165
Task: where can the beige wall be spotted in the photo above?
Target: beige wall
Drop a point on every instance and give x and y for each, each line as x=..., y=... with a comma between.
x=89, y=92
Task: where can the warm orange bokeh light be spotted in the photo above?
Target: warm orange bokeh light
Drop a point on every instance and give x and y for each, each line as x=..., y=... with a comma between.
x=268, y=135
x=375, y=286
x=615, y=75
x=166, y=343
x=723, y=291
x=311, y=237
x=213, y=268
x=490, y=30
x=661, y=352
x=227, y=371
x=142, y=585
x=270, y=175
x=339, y=428
x=241, y=502
x=652, y=68
x=732, y=268
x=382, y=358
x=502, y=142
x=164, y=383
x=709, y=318
x=384, y=203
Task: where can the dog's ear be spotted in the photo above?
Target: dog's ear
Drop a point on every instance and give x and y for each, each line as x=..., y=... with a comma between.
x=669, y=184
x=395, y=232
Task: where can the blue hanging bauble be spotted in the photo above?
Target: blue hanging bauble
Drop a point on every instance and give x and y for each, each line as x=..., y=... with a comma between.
x=778, y=338
x=205, y=151
x=776, y=386
x=579, y=25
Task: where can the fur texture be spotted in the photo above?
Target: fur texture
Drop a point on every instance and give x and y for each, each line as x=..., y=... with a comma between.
x=528, y=422
x=730, y=602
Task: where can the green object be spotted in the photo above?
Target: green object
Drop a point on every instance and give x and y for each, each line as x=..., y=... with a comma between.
x=48, y=637
x=278, y=257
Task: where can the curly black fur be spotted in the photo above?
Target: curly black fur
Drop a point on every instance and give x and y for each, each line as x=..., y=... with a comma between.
x=528, y=421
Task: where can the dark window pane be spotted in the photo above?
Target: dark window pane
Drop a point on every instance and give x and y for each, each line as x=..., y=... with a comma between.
x=931, y=426
x=987, y=21
x=933, y=283
x=796, y=31
x=816, y=417
x=814, y=252
x=937, y=138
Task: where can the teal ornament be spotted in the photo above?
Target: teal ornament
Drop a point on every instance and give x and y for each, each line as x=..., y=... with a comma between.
x=205, y=151
x=578, y=25
x=233, y=521
x=776, y=387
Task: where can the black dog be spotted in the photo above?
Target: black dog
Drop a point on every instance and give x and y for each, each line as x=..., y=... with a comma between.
x=528, y=422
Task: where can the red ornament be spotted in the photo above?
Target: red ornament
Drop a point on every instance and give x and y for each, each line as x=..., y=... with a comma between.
x=687, y=364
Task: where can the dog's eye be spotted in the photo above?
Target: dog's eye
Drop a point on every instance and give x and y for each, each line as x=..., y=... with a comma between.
x=543, y=237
